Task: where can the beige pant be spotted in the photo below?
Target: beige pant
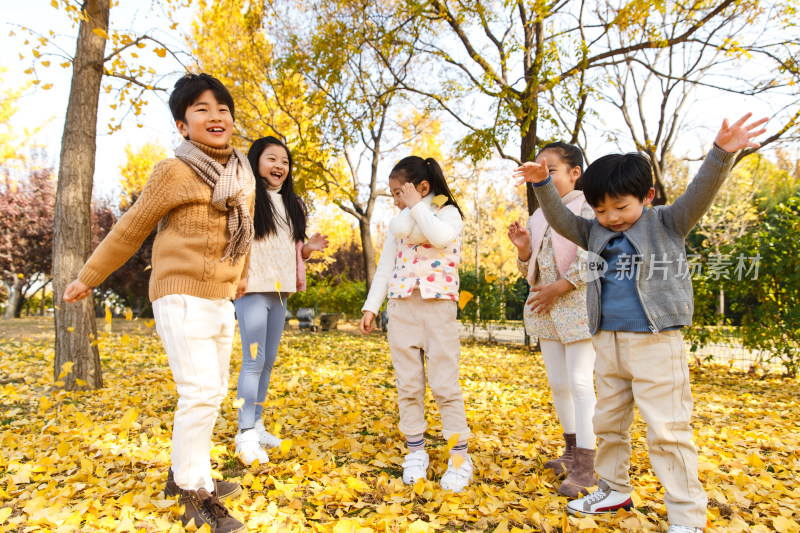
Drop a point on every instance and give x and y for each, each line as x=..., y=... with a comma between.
x=425, y=331
x=197, y=334
x=652, y=371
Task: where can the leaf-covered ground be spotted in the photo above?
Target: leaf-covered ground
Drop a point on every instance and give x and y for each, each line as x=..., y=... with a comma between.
x=88, y=461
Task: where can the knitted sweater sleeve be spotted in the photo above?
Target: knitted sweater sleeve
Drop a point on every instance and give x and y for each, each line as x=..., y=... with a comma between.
x=380, y=281
x=561, y=219
x=575, y=274
x=155, y=201
x=688, y=208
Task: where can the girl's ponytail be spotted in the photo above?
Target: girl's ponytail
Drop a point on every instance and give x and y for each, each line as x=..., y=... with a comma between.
x=416, y=170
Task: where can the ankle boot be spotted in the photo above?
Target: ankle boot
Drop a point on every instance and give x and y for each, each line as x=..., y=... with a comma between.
x=581, y=477
x=222, y=489
x=201, y=507
x=563, y=464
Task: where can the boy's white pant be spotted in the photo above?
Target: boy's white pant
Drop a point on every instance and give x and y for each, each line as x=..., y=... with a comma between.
x=652, y=371
x=424, y=332
x=197, y=334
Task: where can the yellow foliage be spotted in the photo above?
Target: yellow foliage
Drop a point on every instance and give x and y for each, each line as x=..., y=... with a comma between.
x=138, y=166
x=228, y=40
x=98, y=461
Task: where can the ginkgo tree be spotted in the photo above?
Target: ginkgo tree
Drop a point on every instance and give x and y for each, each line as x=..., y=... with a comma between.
x=515, y=75
x=310, y=74
x=128, y=80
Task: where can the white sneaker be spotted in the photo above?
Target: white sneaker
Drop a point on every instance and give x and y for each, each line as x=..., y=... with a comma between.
x=456, y=479
x=248, y=450
x=684, y=529
x=265, y=438
x=603, y=500
x=415, y=466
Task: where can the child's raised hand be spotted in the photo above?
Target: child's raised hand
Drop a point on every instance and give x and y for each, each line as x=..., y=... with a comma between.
x=532, y=172
x=75, y=291
x=520, y=238
x=367, y=325
x=317, y=243
x=409, y=195
x=736, y=136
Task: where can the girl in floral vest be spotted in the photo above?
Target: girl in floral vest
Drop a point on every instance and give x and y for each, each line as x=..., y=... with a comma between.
x=418, y=269
x=556, y=313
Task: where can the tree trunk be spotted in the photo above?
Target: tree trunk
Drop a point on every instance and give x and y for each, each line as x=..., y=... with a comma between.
x=528, y=153
x=14, y=294
x=367, y=250
x=72, y=241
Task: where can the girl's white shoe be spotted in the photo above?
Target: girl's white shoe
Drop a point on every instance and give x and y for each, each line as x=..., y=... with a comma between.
x=456, y=479
x=265, y=438
x=415, y=467
x=248, y=450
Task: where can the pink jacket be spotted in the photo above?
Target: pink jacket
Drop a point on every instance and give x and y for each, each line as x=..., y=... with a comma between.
x=565, y=250
x=301, y=267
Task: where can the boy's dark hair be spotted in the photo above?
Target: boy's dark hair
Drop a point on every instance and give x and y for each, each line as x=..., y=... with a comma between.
x=416, y=170
x=264, y=219
x=616, y=175
x=189, y=88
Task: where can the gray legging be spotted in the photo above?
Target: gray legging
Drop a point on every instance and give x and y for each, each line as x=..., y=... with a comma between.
x=260, y=316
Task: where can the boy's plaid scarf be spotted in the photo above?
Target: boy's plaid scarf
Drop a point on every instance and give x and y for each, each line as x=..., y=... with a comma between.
x=230, y=185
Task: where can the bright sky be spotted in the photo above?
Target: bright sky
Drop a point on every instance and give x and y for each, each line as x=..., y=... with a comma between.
x=41, y=107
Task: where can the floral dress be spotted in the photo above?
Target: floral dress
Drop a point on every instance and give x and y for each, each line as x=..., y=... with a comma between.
x=567, y=321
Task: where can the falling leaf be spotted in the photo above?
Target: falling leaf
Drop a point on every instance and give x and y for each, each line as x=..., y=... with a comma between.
x=71, y=329
x=253, y=350
x=160, y=52
x=66, y=369
x=128, y=313
x=451, y=441
x=278, y=290
x=149, y=323
x=439, y=200
x=458, y=460
x=238, y=403
x=101, y=33
x=463, y=298
x=80, y=382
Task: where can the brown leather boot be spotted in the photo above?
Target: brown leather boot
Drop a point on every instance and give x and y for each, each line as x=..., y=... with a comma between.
x=581, y=476
x=202, y=507
x=222, y=489
x=563, y=464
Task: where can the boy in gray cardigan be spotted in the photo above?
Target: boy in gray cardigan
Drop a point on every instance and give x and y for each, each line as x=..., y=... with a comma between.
x=638, y=297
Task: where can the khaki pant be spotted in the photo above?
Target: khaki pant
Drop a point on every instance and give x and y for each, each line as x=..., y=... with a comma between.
x=652, y=371
x=425, y=332
x=197, y=334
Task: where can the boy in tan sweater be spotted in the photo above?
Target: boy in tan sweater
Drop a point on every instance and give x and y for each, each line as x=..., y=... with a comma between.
x=202, y=201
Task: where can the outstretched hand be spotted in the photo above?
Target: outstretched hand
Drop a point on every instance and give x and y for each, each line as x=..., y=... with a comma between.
x=317, y=243
x=75, y=291
x=736, y=136
x=531, y=172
